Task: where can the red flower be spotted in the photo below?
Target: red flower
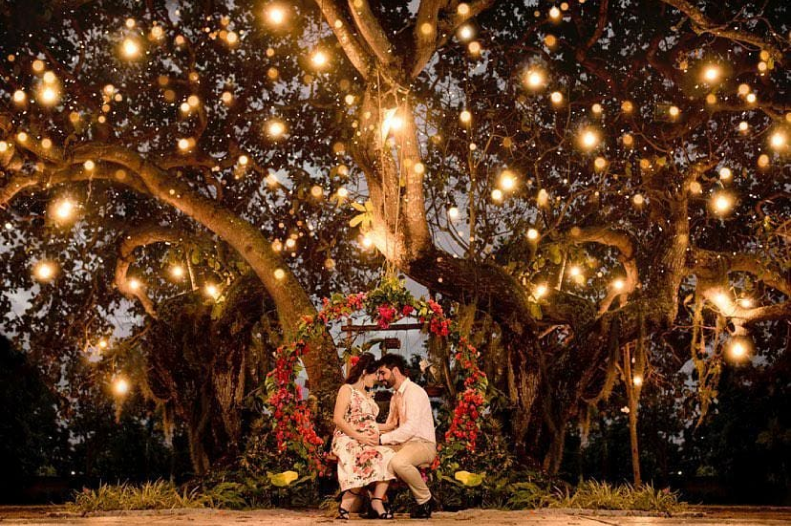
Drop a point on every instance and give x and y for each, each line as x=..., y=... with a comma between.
x=353, y=360
x=407, y=310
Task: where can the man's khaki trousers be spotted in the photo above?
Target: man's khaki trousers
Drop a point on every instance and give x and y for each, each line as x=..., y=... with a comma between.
x=408, y=457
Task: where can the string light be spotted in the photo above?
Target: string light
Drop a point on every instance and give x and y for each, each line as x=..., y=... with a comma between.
x=63, y=210
x=739, y=348
x=134, y=284
x=778, y=140
x=532, y=234
x=618, y=285
x=535, y=78
x=637, y=380
x=540, y=291
x=367, y=241
x=556, y=97
x=130, y=48
x=746, y=303
x=744, y=127
x=722, y=203
x=120, y=386
x=725, y=173
x=280, y=274
x=177, y=271
x=463, y=9
x=103, y=343
x=466, y=33
x=497, y=195
x=453, y=213
x=19, y=96
x=48, y=95
x=275, y=128
x=589, y=139
x=212, y=290
x=674, y=112
x=712, y=73
x=465, y=117
x=507, y=180
x=627, y=106
x=319, y=59
x=45, y=271
x=554, y=13
x=275, y=14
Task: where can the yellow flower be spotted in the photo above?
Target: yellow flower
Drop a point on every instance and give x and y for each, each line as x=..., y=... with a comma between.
x=284, y=479
x=469, y=479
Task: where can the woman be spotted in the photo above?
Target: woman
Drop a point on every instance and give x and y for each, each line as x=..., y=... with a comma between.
x=360, y=462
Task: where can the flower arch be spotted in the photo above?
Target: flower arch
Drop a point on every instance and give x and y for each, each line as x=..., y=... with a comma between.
x=388, y=303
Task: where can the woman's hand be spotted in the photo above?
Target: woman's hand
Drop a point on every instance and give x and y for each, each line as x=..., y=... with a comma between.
x=371, y=439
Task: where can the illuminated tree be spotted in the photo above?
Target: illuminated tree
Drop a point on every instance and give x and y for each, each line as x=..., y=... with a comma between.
x=593, y=176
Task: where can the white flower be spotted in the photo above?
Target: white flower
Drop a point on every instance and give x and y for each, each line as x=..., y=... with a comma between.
x=625, y=410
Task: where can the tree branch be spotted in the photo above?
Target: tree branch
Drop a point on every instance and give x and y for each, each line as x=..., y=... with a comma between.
x=355, y=51
x=372, y=32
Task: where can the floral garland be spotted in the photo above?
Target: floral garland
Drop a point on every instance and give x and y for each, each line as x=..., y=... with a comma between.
x=386, y=305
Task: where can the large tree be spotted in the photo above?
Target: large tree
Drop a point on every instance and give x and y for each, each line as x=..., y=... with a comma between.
x=588, y=176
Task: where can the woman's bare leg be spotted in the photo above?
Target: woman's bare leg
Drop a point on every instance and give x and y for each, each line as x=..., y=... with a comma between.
x=351, y=500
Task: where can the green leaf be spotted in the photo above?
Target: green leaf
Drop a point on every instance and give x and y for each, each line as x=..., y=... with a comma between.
x=469, y=479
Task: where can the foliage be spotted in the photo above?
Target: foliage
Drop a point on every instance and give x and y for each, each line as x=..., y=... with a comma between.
x=603, y=496
x=149, y=496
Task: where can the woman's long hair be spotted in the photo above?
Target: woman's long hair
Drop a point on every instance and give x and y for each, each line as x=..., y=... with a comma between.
x=365, y=365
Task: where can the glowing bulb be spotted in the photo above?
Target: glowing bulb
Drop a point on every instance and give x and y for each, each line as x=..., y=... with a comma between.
x=275, y=129
x=474, y=47
x=532, y=234
x=120, y=386
x=453, y=213
x=535, y=79
x=550, y=41
x=184, y=144
x=463, y=9
x=726, y=173
x=497, y=194
x=49, y=78
x=574, y=271
x=19, y=96
x=627, y=106
x=134, y=284
x=722, y=203
x=212, y=290
x=739, y=348
x=540, y=291
x=507, y=180
x=465, y=117
x=637, y=380
x=589, y=139
x=638, y=200
x=319, y=59
x=618, y=284
x=712, y=73
x=89, y=165
x=597, y=109
x=743, y=126
x=466, y=33
x=556, y=97
x=778, y=140
x=102, y=343
x=743, y=89
x=63, y=210
x=627, y=140
x=280, y=274
x=49, y=95
x=600, y=163
x=554, y=13
x=275, y=14
x=674, y=111
x=44, y=271
x=751, y=98
x=177, y=271
x=343, y=193
x=3, y=146
x=746, y=303
x=367, y=241
x=130, y=48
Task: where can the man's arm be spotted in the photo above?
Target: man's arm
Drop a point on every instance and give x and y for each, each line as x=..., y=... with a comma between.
x=407, y=429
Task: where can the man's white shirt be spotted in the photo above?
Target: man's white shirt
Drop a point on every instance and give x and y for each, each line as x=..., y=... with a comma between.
x=418, y=420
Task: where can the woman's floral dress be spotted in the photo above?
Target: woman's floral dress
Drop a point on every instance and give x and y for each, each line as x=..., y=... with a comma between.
x=358, y=464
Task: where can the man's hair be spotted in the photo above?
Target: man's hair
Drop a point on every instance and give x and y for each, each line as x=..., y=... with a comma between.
x=392, y=361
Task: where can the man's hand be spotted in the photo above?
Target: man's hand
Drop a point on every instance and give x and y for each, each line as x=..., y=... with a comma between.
x=370, y=439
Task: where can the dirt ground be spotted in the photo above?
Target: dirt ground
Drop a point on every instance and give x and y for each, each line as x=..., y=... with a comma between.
x=698, y=516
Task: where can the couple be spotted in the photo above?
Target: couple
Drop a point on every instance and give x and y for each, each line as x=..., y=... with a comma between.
x=370, y=455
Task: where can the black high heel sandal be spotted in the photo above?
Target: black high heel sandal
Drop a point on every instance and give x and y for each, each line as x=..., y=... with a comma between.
x=343, y=513
x=386, y=515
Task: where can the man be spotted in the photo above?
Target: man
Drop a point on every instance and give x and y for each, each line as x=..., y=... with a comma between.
x=414, y=439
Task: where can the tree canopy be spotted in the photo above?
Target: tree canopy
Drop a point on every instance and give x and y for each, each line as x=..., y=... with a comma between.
x=605, y=182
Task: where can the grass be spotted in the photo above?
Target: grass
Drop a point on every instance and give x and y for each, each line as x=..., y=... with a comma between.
x=157, y=495
x=161, y=495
